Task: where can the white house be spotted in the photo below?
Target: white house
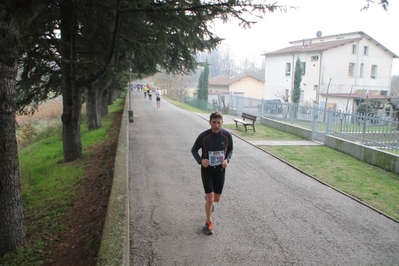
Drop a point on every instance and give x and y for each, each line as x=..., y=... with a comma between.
x=339, y=70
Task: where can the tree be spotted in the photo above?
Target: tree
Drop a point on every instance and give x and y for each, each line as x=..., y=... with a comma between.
x=395, y=86
x=383, y=3
x=15, y=18
x=365, y=108
x=176, y=86
x=201, y=86
x=203, y=83
x=296, y=93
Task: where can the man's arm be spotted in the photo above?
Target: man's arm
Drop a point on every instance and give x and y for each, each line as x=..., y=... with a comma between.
x=194, y=150
x=229, y=151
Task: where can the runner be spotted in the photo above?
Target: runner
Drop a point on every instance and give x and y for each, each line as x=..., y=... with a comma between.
x=149, y=91
x=158, y=94
x=216, y=146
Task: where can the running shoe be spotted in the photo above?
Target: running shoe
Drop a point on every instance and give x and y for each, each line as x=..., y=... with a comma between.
x=208, y=228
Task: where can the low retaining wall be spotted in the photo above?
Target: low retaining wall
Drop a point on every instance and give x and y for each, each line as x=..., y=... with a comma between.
x=379, y=158
x=301, y=132
x=114, y=248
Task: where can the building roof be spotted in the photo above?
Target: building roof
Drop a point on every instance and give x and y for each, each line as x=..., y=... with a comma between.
x=226, y=80
x=318, y=44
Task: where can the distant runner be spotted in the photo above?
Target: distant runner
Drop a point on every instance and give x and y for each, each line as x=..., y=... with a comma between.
x=158, y=94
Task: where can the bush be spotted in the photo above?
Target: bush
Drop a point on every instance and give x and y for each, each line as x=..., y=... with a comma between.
x=366, y=109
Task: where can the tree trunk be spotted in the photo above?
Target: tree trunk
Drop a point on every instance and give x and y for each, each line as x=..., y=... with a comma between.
x=104, y=103
x=93, y=106
x=110, y=96
x=104, y=86
x=71, y=93
x=12, y=228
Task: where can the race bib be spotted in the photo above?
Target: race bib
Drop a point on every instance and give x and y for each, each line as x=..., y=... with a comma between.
x=216, y=158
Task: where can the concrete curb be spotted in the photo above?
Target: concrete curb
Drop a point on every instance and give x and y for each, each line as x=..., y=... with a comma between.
x=114, y=247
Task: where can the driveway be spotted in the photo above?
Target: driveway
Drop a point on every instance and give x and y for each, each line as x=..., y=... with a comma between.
x=270, y=213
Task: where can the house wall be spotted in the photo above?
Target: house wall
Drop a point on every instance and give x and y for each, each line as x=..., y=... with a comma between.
x=335, y=65
x=310, y=81
x=276, y=81
x=331, y=64
x=249, y=86
x=217, y=88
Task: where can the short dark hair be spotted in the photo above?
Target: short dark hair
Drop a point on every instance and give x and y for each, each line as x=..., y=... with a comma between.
x=216, y=114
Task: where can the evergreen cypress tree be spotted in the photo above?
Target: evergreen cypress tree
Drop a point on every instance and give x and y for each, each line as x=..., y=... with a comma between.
x=203, y=83
x=296, y=94
x=201, y=86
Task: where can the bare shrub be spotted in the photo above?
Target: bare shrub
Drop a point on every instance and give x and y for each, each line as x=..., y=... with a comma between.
x=26, y=134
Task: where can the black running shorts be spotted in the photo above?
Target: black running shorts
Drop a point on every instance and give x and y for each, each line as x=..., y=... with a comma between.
x=213, y=179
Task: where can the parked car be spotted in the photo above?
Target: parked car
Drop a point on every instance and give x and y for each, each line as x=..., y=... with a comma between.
x=271, y=106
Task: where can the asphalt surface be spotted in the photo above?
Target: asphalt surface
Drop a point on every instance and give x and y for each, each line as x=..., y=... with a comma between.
x=269, y=214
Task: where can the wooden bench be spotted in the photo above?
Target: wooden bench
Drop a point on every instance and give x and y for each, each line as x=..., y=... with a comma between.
x=247, y=120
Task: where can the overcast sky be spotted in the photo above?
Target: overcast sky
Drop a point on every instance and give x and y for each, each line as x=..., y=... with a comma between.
x=328, y=16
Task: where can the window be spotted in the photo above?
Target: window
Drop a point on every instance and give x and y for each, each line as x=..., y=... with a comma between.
x=361, y=70
x=366, y=50
x=288, y=69
x=354, y=49
x=303, y=66
x=314, y=58
x=351, y=69
x=373, y=71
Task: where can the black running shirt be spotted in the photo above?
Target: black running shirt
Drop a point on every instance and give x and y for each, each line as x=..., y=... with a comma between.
x=211, y=145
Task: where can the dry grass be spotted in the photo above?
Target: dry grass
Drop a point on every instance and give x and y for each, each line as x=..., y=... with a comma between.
x=46, y=117
x=51, y=109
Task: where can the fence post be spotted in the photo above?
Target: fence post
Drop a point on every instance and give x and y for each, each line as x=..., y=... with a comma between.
x=314, y=122
x=261, y=106
x=329, y=121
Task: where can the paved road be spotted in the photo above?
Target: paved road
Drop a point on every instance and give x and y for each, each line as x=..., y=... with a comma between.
x=270, y=213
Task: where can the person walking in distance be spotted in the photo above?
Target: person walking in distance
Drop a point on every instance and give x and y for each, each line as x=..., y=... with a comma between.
x=158, y=94
x=216, y=146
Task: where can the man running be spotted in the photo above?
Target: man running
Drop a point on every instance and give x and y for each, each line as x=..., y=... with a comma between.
x=216, y=146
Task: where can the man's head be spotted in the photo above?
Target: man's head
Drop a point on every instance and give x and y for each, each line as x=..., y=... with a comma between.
x=216, y=121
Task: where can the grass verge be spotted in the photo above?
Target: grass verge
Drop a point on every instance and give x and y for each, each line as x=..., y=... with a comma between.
x=50, y=189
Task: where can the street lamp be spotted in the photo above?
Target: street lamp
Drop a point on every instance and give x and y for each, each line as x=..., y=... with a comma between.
x=130, y=112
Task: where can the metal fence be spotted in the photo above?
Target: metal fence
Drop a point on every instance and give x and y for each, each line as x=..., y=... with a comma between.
x=378, y=131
